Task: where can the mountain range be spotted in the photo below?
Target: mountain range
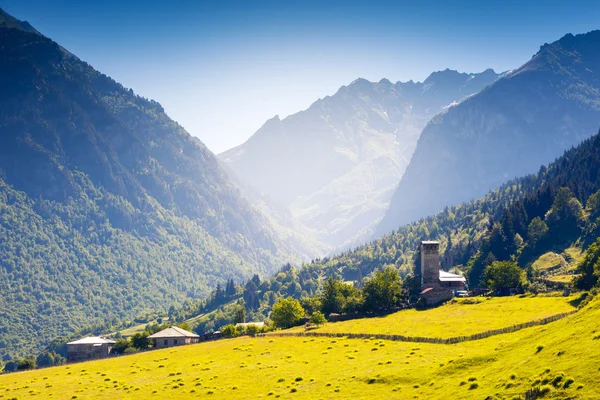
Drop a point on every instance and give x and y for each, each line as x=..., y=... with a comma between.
x=336, y=164
x=109, y=209
x=525, y=119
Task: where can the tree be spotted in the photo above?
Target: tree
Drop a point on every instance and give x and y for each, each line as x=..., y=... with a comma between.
x=230, y=288
x=140, y=340
x=185, y=326
x=229, y=330
x=11, y=366
x=503, y=275
x=566, y=211
x=317, y=318
x=536, y=230
x=252, y=330
x=240, y=314
x=384, y=291
x=287, y=312
x=311, y=304
x=256, y=280
x=25, y=364
x=219, y=294
x=120, y=346
x=49, y=358
x=250, y=295
x=334, y=296
x=589, y=267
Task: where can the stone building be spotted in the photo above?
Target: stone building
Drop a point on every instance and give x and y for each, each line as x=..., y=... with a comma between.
x=173, y=336
x=436, y=285
x=89, y=348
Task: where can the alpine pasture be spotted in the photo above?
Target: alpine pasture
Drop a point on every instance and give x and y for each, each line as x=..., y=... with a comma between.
x=558, y=360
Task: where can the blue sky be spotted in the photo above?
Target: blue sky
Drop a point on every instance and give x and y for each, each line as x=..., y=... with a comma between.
x=222, y=68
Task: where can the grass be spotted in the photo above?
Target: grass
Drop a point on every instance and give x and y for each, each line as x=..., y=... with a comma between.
x=567, y=278
x=457, y=318
x=139, y=328
x=573, y=256
x=547, y=261
x=503, y=367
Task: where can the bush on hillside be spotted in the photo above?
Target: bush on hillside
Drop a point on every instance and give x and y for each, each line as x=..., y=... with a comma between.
x=503, y=275
x=229, y=331
x=317, y=318
x=287, y=312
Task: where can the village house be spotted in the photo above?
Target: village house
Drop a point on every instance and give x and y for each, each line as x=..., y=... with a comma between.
x=89, y=348
x=437, y=285
x=173, y=336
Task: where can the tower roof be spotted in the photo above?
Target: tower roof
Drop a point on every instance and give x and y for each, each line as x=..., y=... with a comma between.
x=450, y=277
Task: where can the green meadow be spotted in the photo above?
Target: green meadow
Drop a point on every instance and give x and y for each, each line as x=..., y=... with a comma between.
x=560, y=358
x=459, y=317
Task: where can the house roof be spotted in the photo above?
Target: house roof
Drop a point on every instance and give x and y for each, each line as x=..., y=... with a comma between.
x=429, y=242
x=245, y=324
x=95, y=340
x=448, y=277
x=173, y=332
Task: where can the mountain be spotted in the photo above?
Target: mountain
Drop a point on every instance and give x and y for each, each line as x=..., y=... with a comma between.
x=108, y=207
x=563, y=197
x=336, y=164
x=524, y=120
x=8, y=21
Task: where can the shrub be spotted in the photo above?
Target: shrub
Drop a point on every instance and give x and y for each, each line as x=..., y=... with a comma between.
x=317, y=318
x=473, y=385
x=287, y=312
x=557, y=380
x=539, y=348
x=229, y=331
x=252, y=330
x=544, y=390
x=568, y=383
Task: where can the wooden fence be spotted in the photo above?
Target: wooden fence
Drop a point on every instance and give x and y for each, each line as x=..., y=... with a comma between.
x=417, y=339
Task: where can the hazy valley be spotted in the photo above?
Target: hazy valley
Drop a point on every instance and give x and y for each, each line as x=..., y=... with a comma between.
x=337, y=164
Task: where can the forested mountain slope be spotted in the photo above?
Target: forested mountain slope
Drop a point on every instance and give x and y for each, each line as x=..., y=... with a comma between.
x=107, y=206
x=563, y=199
x=336, y=164
x=527, y=118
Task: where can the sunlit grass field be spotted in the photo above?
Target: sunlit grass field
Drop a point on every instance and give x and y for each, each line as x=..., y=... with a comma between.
x=460, y=317
x=547, y=261
x=252, y=368
x=561, y=357
x=568, y=278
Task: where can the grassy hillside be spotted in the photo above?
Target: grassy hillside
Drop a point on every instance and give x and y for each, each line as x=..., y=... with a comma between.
x=460, y=317
x=560, y=357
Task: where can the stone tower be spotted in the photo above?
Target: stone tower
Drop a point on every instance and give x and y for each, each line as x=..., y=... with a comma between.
x=430, y=264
